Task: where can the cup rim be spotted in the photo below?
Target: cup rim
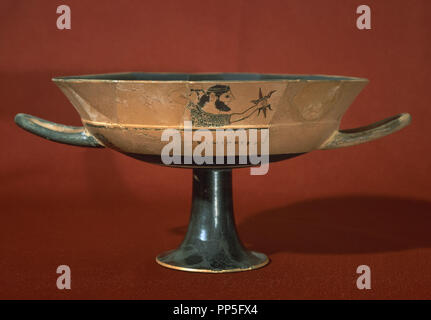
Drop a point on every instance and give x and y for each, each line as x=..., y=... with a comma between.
x=212, y=77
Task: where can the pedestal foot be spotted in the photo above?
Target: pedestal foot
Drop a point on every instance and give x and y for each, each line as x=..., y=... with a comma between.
x=211, y=243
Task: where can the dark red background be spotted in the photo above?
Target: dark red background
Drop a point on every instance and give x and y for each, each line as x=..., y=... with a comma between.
x=318, y=216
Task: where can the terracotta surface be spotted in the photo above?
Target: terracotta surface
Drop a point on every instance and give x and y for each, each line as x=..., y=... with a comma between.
x=318, y=216
x=130, y=115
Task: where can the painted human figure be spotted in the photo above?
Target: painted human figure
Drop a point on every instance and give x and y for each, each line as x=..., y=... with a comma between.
x=215, y=101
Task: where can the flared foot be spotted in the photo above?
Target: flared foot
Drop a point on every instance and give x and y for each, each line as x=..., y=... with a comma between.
x=193, y=261
x=212, y=244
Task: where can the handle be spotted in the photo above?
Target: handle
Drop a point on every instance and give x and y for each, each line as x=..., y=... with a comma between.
x=76, y=136
x=351, y=137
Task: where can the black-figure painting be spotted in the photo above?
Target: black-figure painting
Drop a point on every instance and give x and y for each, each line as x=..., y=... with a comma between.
x=212, y=106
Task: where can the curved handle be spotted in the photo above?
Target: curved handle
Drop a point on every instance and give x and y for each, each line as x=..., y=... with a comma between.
x=76, y=136
x=351, y=137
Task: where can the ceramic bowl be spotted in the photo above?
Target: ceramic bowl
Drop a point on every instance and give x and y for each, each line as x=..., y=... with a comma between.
x=129, y=112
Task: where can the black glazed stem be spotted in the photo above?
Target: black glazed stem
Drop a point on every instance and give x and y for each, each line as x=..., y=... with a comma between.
x=212, y=243
x=212, y=219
